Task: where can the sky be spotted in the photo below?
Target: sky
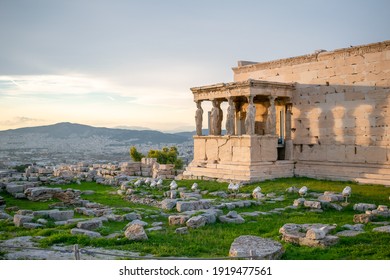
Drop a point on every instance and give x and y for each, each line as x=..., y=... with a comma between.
x=132, y=63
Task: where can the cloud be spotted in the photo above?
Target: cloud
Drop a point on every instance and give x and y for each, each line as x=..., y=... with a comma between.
x=20, y=120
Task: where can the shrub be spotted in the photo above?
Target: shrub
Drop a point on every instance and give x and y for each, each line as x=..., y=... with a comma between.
x=135, y=155
x=167, y=156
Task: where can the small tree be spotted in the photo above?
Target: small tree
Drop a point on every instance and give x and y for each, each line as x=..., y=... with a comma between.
x=135, y=155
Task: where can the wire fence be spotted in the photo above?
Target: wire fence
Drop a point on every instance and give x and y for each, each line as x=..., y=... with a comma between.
x=76, y=251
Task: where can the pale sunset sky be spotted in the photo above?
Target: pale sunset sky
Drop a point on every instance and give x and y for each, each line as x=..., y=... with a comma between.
x=132, y=63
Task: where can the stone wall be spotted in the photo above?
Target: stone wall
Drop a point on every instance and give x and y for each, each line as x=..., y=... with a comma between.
x=228, y=149
x=247, y=158
x=341, y=115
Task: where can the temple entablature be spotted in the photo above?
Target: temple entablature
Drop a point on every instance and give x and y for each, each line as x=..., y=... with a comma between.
x=254, y=107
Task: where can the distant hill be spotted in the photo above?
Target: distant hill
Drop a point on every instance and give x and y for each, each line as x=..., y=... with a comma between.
x=68, y=130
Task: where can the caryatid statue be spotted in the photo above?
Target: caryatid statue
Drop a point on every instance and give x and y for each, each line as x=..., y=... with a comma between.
x=271, y=117
x=250, y=117
x=214, y=118
x=220, y=118
x=230, y=117
x=199, y=118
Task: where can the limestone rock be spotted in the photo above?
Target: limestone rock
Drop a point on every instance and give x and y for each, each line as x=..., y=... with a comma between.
x=299, y=202
x=311, y=235
x=2, y=201
x=232, y=218
x=68, y=196
x=243, y=195
x=221, y=194
x=183, y=206
x=363, y=207
x=89, y=233
x=382, y=229
x=192, y=195
x=55, y=214
x=115, y=218
x=90, y=224
x=19, y=220
x=14, y=188
x=256, y=247
x=19, y=195
x=355, y=227
x=335, y=206
x=331, y=197
x=315, y=234
x=24, y=212
x=138, y=222
x=42, y=221
x=349, y=233
x=258, y=195
x=156, y=228
x=4, y=216
x=312, y=204
x=177, y=219
x=196, y=222
x=363, y=218
x=132, y=216
x=136, y=232
x=292, y=189
x=168, y=204
x=41, y=193
x=327, y=241
x=173, y=194
x=32, y=225
x=211, y=215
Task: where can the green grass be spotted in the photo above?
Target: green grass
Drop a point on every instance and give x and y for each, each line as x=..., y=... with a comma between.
x=215, y=240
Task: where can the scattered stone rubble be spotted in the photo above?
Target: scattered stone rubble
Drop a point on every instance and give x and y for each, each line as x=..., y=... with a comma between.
x=371, y=213
x=312, y=235
x=187, y=209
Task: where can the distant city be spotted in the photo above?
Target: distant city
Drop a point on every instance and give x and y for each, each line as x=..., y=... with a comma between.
x=71, y=143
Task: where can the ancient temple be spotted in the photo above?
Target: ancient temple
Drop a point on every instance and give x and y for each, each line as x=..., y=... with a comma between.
x=322, y=115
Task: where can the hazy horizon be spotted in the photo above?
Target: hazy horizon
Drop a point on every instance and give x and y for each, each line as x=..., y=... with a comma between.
x=132, y=63
x=177, y=130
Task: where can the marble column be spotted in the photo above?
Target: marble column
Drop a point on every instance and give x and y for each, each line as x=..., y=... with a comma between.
x=250, y=117
x=220, y=118
x=288, y=121
x=238, y=106
x=230, y=118
x=289, y=148
x=199, y=118
x=271, y=117
x=215, y=119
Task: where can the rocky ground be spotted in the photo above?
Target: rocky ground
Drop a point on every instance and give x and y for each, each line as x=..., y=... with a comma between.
x=185, y=208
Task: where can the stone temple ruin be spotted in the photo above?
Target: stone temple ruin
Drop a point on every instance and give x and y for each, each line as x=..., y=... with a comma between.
x=323, y=115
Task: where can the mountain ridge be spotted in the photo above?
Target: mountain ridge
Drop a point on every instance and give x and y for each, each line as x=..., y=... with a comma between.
x=67, y=129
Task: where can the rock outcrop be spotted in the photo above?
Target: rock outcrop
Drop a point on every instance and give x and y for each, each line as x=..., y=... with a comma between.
x=254, y=247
